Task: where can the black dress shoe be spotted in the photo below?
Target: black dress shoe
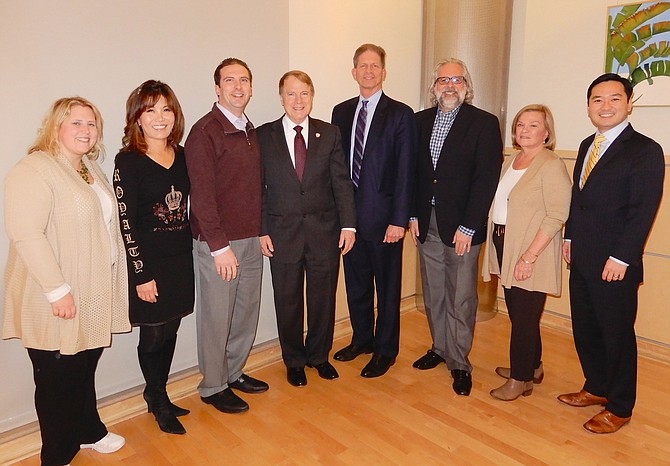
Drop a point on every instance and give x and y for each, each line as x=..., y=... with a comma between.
x=326, y=370
x=296, y=376
x=377, y=366
x=226, y=402
x=350, y=352
x=248, y=384
x=429, y=360
x=462, y=382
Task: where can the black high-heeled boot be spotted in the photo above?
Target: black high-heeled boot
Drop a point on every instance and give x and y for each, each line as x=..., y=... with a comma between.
x=155, y=394
x=167, y=353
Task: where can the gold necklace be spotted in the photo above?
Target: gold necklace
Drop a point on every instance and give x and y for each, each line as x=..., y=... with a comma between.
x=83, y=172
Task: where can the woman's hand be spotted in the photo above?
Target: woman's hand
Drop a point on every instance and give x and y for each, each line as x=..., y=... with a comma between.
x=64, y=307
x=524, y=267
x=147, y=291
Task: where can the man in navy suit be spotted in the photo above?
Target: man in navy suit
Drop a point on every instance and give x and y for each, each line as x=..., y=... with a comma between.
x=459, y=160
x=617, y=188
x=379, y=138
x=308, y=218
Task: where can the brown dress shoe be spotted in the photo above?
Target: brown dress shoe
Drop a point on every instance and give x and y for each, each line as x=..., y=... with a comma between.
x=581, y=399
x=605, y=423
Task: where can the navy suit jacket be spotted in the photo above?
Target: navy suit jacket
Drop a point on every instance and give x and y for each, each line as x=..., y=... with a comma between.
x=466, y=177
x=386, y=183
x=311, y=213
x=614, y=212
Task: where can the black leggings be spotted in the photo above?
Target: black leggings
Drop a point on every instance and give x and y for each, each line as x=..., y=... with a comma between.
x=154, y=337
x=525, y=310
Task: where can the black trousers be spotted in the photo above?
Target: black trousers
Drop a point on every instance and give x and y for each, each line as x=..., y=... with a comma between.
x=65, y=402
x=603, y=326
x=372, y=264
x=525, y=310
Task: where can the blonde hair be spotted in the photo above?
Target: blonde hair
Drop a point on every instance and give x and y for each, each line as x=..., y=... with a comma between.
x=550, y=141
x=47, y=135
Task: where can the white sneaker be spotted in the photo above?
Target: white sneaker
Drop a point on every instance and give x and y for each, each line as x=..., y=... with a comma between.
x=108, y=444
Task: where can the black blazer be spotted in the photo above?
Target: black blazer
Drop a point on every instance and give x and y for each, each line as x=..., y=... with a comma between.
x=313, y=212
x=614, y=212
x=385, y=186
x=466, y=177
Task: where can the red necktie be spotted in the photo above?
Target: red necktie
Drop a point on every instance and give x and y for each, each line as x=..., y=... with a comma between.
x=300, y=152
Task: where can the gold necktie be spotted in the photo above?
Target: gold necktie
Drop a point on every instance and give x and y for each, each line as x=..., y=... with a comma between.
x=593, y=158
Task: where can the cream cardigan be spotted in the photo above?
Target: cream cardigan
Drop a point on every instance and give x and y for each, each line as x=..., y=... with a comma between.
x=57, y=235
x=539, y=201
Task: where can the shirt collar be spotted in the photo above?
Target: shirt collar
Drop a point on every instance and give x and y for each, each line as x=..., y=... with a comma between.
x=239, y=122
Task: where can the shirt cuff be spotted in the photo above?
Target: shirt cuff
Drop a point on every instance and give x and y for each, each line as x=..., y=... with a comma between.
x=618, y=261
x=413, y=219
x=58, y=293
x=466, y=231
x=349, y=229
x=218, y=252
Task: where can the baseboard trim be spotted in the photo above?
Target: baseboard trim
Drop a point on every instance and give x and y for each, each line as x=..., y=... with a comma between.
x=24, y=442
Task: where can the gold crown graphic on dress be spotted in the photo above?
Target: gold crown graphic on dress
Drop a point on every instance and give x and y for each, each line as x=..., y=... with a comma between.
x=173, y=199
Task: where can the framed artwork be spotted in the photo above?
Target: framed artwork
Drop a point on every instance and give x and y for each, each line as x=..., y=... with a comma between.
x=638, y=47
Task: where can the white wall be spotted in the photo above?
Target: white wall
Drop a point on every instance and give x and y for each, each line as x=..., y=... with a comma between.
x=102, y=50
x=558, y=48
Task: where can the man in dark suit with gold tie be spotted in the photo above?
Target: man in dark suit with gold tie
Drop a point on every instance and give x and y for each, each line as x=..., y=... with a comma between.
x=617, y=187
x=379, y=139
x=308, y=219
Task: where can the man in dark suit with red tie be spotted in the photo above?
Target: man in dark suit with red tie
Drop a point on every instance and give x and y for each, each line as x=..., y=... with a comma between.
x=459, y=160
x=379, y=138
x=308, y=219
x=617, y=187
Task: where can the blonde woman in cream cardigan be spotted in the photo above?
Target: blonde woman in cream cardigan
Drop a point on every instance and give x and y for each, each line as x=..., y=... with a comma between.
x=524, y=242
x=65, y=280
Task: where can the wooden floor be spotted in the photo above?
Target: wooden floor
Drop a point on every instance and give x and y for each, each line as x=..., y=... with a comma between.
x=409, y=417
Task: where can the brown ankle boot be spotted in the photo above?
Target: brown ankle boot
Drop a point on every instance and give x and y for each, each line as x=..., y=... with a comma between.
x=512, y=389
x=538, y=374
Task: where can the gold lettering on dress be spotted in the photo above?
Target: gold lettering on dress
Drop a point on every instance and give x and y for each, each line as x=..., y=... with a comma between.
x=139, y=265
x=116, y=175
x=122, y=207
x=133, y=252
x=126, y=225
x=129, y=238
x=119, y=192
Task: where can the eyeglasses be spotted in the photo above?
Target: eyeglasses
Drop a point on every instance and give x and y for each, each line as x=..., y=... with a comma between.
x=454, y=80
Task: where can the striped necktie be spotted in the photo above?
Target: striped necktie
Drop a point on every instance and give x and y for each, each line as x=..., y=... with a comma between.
x=358, y=143
x=593, y=158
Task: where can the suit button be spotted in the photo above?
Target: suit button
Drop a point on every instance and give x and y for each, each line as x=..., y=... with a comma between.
x=302, y=193
x=434, y=181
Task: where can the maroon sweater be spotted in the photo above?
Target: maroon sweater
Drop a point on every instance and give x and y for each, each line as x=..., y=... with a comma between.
x=225, y=172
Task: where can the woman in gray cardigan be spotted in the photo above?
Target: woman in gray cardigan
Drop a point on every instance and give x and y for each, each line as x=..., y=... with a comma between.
x=524, y=241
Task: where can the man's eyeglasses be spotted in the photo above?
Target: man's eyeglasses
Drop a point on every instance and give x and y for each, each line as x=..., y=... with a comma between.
x=454, y=80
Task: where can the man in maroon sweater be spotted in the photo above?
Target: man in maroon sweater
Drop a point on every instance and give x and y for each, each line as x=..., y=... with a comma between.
x=224, y=166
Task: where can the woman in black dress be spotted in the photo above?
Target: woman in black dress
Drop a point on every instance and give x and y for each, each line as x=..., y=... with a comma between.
x=152, y=188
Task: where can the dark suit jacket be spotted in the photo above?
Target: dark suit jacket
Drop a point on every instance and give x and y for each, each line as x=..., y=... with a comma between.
x=613, y=214
x=313, y=212
x=386, y=182
x=465, y=179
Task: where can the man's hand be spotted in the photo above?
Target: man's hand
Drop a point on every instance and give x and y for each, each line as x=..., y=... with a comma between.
x=613, y=271
x=147, y=291
x=394, y=234
x=226, y=265
x=347, y=240
x=414, y=230
x=64, y=307
x=461, y=243
x=267, y=248
x=567, y=251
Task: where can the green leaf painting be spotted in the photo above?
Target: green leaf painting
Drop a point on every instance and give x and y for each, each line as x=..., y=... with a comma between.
x=638, y=41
